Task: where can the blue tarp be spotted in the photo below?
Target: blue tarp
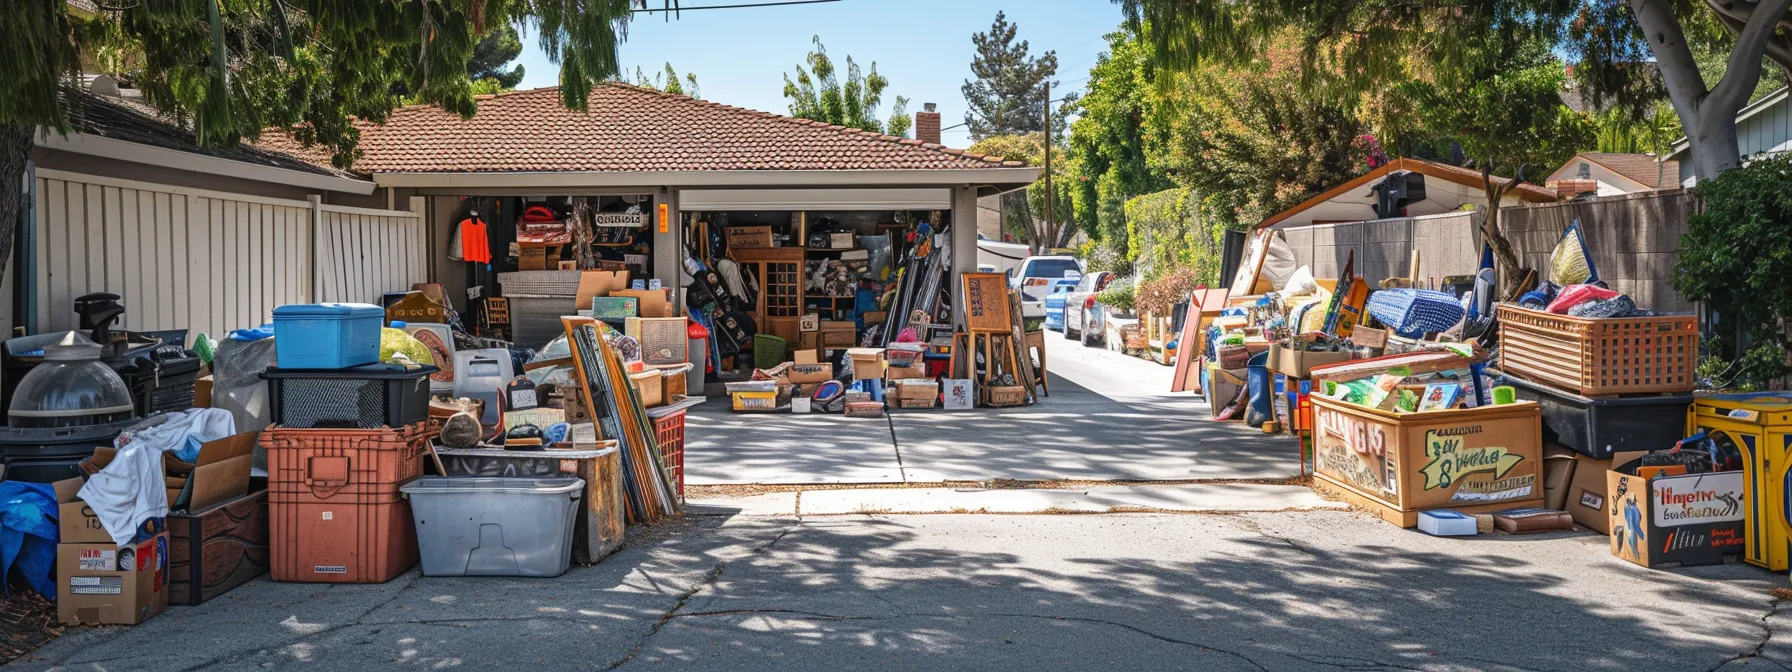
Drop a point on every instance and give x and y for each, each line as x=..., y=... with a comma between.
x=28, y=534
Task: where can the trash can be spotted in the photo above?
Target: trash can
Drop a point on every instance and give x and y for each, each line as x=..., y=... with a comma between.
x=494, y=526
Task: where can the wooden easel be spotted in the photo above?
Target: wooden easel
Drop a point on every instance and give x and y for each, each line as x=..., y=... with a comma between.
x=991, y=317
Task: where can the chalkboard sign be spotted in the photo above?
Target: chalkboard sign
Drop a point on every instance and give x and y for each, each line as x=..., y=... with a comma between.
x=986, y=303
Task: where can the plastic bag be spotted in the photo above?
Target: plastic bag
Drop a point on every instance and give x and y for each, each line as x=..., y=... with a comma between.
x=1570, y=263
x=1574, y=295
x=559, y=376
x=399, y=341
x=237, y=385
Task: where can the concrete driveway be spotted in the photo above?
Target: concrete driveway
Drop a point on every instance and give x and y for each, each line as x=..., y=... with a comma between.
x=1109, y=417
x=1324, y=590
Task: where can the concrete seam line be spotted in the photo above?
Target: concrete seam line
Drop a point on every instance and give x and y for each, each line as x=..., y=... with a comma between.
x=709, y=579
x=901, y=469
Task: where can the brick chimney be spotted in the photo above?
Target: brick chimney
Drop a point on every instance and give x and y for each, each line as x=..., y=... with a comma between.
x=927, y=124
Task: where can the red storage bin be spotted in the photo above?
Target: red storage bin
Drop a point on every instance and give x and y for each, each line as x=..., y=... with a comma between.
x=669, y=428
x=334, y=509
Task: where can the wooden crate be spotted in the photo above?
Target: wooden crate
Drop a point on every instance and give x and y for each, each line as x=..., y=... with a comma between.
x=216, y=549
x=1006, y=396
x=1398, y=464
x=1600, y=356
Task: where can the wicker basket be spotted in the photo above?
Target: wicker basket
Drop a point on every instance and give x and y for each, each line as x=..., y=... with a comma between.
x=1600, y=356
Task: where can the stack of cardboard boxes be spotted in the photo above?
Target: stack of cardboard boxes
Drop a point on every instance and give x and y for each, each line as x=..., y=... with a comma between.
x=215, y=539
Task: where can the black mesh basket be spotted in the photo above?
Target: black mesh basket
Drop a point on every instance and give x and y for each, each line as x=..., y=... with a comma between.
x=363, y=397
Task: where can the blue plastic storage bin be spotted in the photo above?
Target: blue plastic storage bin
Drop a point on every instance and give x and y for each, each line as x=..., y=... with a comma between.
x=327, y=335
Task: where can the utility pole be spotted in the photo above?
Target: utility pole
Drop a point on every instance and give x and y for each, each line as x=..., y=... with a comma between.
x=1050, y=216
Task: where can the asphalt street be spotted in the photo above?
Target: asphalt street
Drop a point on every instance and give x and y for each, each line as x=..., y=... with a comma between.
x=1255, y=591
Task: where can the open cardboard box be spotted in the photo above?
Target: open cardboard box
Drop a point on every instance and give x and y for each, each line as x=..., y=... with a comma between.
x=220, y=473
x=653, y=302
x=598, y=283
x=806, y=367
x=1586, y=499
x=103, y=584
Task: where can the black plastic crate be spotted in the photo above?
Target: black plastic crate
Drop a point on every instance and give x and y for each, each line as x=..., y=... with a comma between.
x=370, y=396
x=1599, y=426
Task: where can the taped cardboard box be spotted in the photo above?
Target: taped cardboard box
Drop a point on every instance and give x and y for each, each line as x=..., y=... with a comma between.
x=653, y=302
x=901, y=372
x=598, y=283
x=811, y=373
x=1586, y=499
x=1558, y=476
x=104, y=584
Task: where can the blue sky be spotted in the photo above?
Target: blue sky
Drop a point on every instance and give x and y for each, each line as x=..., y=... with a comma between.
x=922, y=46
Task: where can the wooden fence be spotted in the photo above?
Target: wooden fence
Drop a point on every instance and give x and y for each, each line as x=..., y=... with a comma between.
x=209, y=261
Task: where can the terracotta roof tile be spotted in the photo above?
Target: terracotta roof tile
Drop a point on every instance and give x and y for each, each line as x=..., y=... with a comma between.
x=629, y=129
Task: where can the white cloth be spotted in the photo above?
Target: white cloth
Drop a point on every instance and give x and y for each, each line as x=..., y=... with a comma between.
x=131, y=488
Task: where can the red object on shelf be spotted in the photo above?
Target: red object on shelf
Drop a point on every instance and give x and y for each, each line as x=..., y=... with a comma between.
x=937, y=367
x=669, y=429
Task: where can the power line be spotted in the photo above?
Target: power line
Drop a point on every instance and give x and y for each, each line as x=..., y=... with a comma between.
x=676, y=9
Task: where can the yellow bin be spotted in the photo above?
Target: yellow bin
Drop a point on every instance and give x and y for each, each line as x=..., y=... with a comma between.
x=1761, y=424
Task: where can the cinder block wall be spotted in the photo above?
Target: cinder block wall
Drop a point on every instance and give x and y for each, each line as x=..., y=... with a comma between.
x=1634, y=238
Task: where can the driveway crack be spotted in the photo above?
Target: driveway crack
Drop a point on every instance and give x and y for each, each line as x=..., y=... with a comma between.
x=1758, y=653
x=709, y=579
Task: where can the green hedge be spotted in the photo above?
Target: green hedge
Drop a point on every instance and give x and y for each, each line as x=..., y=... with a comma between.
x=1166, y=232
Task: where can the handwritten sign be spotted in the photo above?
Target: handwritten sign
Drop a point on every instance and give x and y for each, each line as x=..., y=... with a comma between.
x=986, y=303
x=1451, y=460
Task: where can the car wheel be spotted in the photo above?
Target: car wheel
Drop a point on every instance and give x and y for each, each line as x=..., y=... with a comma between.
x=1088, y=339
x=1068, y=334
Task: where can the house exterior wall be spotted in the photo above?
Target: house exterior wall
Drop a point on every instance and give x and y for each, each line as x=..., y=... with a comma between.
x=1768, y=131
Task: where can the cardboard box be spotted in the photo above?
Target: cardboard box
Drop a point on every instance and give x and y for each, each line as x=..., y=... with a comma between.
x=809, y=322
x=76, y=520
x=598, y=283
x=103, y=584
x=1447, y=523
x=1300, y=363
x=900, y=372
x=1586, y=500
x=875, y=317
x=838, y=335
x=1690, y=520
x=867, y=363
x=532, y=257
x=812, y=372
x=1527, y=520
x=202, y=392
x=749, y=236
x=810, y=340
x=917, y=388
x=653, y=302
x=929, y=402
x=218, y=474
x=1558, y=475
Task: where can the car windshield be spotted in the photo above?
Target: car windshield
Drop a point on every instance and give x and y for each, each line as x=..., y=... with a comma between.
x=1051, y=268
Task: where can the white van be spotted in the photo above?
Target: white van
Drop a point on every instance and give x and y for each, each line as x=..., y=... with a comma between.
x=1034, y=278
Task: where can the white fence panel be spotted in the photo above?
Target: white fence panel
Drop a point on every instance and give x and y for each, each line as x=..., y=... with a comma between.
x=209, y=261
x=362, y=253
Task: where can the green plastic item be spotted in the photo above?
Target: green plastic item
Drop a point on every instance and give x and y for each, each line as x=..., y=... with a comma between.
x=615, y=307
x=393, y=341
x=206, y=348
x=768, y=351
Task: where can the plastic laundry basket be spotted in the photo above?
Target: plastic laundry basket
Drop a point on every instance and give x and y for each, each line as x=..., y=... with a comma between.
x=494, y=526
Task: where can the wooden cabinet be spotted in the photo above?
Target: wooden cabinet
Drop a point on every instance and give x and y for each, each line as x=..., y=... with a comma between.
x=779, y=274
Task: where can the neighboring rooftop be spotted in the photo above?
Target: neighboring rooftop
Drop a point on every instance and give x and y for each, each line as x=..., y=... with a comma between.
x=633, y=129
x=130, y=120
x=1640, y=168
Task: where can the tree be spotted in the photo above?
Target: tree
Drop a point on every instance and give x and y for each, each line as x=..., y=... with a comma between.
x=1505, y=111
x=819, y=94
x=235, y=67
x=1365, y=42
x=494, y=51
x=1008, y=95
x=1023, y=212
x=668, y=81
x=1106, y=153
x=1734, y=257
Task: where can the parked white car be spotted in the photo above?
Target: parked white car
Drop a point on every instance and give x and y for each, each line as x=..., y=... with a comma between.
x=1034, y=279
x=1082, y=316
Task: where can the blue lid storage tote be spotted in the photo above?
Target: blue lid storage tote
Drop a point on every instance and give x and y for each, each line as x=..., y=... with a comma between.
x=327, y=335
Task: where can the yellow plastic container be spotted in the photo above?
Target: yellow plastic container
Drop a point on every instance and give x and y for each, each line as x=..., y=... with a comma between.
x=755, y=401
x=1761, y=423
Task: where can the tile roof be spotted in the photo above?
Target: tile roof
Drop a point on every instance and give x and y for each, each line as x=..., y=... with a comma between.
x=633, y=129
x=1639, y=167
x=132, y=120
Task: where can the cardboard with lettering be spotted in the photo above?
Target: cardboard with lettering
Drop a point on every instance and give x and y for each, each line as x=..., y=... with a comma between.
x=106, y=584
x=1690, y=520
x=1397, y=464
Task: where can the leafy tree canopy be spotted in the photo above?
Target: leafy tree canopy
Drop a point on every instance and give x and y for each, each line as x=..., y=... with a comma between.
x=495, y=51
x=818, y=93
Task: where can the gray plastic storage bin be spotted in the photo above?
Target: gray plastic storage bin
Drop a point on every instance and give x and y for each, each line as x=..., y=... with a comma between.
x=494, y=526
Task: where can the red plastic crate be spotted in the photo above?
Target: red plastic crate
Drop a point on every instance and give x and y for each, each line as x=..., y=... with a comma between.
x=334, y=508
x=669, y=429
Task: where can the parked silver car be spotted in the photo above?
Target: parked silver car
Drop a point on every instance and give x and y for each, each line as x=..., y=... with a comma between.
x=1082, y=317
